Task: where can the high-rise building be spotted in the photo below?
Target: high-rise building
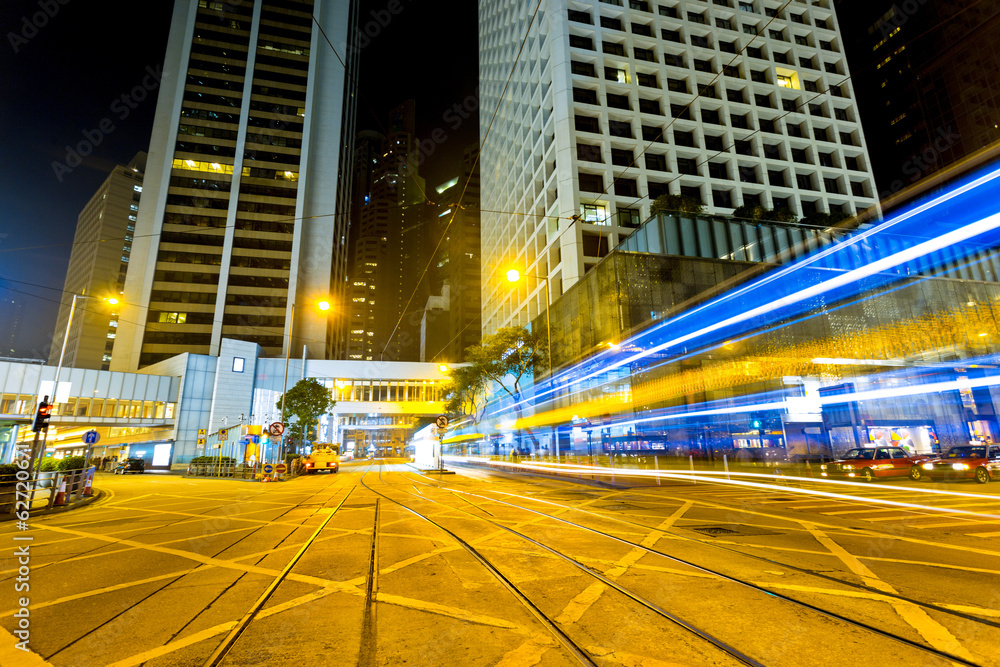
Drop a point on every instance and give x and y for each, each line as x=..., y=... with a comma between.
x=452, y=319
x=613, y=103
x=385, y=242
x=927, y=77
x=244, y=218
x=98, y=266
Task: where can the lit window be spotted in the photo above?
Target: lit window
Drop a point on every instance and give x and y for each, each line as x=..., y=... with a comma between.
x=173, y=318
x=596, y=214
x=111, y=334
x=238, y=363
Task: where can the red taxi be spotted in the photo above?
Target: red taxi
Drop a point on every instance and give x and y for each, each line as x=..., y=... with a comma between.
x=978, y=462
x=869, y=463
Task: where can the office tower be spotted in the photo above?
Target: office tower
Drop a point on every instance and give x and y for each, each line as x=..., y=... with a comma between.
x=927, y=76
x=614, y=103
x=452, y=319
x=244, y=219
x=386, y=244
x=98, y=266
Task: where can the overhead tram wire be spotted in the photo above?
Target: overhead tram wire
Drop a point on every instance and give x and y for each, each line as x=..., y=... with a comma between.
x=465, y=188
x=802, y=105
x=569, y=217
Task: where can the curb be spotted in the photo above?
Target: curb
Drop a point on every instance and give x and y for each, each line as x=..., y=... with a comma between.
x=97, y=495
x=431, y=471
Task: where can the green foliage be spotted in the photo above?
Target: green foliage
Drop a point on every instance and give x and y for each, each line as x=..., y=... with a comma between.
x=466, y=392
x=307, y=401
x=49, y=465
x=761, y=213
x=506, y=356
x=226, y=460
x=72, y=463
x=676, y=204
x=8, y=470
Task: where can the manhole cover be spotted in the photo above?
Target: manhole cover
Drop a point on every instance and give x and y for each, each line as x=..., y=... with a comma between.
x=732, y=529
x=715, y=530
x=620, y=507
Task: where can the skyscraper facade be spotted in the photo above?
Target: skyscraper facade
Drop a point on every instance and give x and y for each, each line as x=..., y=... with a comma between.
x=928, y=83
x=244, y=218
x=613, y=103
x=98, y=267
x=385, y=243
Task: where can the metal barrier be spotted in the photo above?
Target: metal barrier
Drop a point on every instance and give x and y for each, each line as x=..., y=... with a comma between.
x=231, y=470
x=47, y=489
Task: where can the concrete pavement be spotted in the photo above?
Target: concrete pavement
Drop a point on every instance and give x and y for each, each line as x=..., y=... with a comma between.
x=487, y=567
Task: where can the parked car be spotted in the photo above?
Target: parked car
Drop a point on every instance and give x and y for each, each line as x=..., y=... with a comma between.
x=870, y=463
x=978, y=462
x=130, y=465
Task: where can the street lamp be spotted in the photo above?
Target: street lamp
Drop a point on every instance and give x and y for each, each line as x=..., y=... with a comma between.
x=324, y=306
x=62, y=352
x=513, y=276
x=69, y=323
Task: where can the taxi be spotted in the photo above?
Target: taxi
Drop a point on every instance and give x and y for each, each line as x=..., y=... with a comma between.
x=978, y=462
x=871, y=463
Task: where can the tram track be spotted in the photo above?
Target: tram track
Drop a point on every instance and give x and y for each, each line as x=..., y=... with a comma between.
x=550, y=623
x=722, y=576
x=169, y=582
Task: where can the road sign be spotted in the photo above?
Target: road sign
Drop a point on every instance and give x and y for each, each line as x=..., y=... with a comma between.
x=441, y=421
x=201, y=441
x=91, y=437
x=268, y=469
x=223, y=434
x=277, y=428
x=280, y=468
x=202, y=432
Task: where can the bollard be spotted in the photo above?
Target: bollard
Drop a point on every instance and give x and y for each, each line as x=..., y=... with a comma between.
x=691, y=460
x=725, y=464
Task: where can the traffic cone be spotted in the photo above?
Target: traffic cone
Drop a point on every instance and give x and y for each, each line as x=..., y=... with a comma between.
x=87, y=492
x=60, y=495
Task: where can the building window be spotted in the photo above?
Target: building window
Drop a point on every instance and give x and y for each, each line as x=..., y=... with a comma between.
x=584, y=69
x=701, y=40
x=671, y=35
x=713, y=143
x=696, y=18
x=579, y=17
x=173, y=318
x=650, y=133
x=722, y=198
x=718, y=170
x=649, y=106
x=748, y=174
x=595, y=214
x=615, y=74
x=588, y=153
x=777, y=34
x=238, y=364
x=618, y=128
x=670, y=12
x=581, y=42
x=628, y=217
x=677, y=85
x=591, y=182
x=776, y=178
x=622, y=157
x=687, y=166
x=759, y=77
x=710, y=116
x=735, y=96
x=613, y=49
x=746, y=7
x=587, y=124
x=704, y=66
x=626, y=187
x=684, y=139
x=647, y=55
x=804, y=181
x=656, y=162
x=647, y=80
x=584, y=96
x=724, y=23
x=611, y=23
x=642, y=29
x=618, y=101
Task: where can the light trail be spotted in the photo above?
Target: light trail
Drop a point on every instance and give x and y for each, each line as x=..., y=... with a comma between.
x=706, y=476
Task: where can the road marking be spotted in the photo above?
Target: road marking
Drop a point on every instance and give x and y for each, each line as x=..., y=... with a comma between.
x=580, y=604
x=983, y=534
x=15, y=657
x=527, y=654
x=630, y=659
x=936, y=634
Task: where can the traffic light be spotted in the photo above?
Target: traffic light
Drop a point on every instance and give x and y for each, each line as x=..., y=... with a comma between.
x=42, y=416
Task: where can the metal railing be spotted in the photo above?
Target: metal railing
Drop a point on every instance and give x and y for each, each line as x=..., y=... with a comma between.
x=44, y=490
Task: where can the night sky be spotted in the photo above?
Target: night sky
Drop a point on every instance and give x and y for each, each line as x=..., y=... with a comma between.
x=61, y=77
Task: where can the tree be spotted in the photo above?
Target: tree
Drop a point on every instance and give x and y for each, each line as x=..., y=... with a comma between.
x=503, y=358
x=758, y=212
x=467, y=392
x=307, y=401
x=676, y=204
